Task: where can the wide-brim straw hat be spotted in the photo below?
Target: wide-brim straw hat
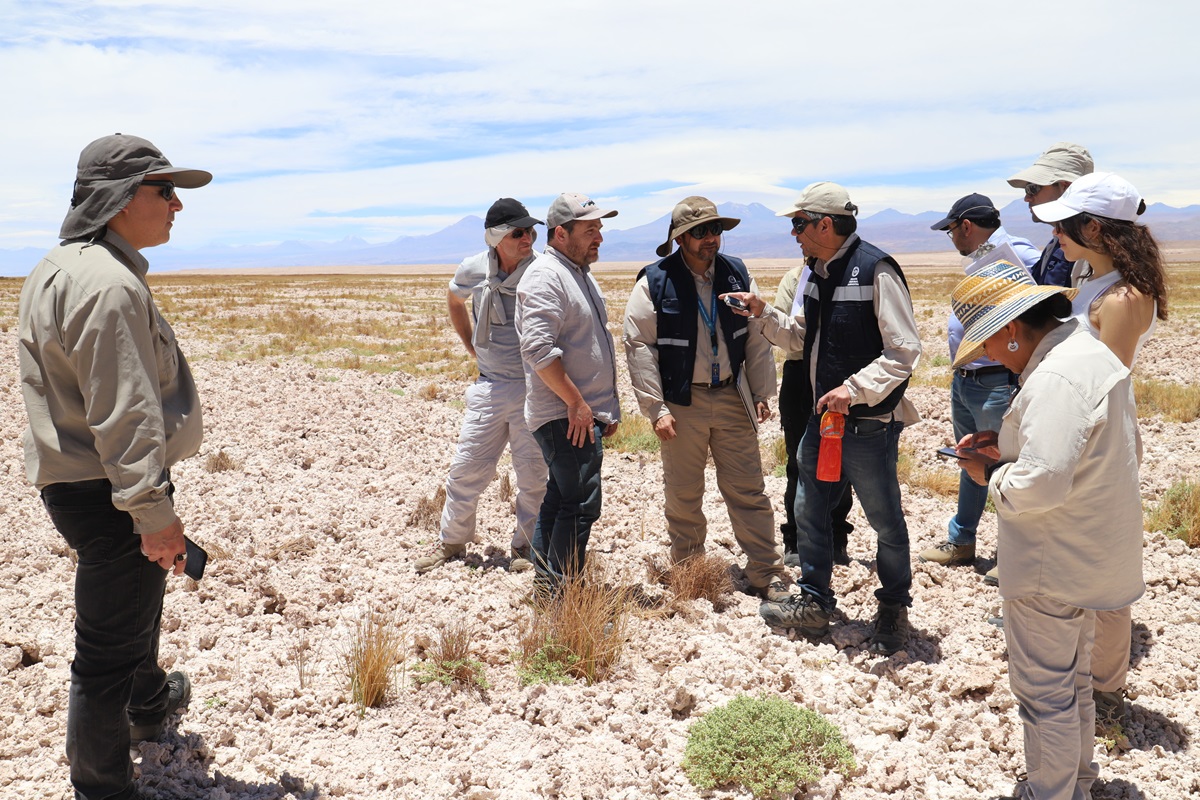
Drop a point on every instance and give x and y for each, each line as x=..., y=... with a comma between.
x=990, y=299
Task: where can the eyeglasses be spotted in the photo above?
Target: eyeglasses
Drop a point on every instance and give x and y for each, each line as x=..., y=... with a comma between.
x=167, y=188
x=1032, y=188
x=950, y=231
x=707, y=229
x=521, y=233
x=802, y=221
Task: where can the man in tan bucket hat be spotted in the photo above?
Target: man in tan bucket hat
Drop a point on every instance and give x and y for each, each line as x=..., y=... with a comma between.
x=703, y=376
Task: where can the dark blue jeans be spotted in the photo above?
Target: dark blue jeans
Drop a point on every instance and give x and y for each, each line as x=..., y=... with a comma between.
x=571, y=505
x=977, y=403
x=869, y=452
x=115, y=677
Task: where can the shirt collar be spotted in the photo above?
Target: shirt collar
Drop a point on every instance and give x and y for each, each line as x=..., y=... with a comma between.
x=566, y=261
x=822, y=267
x=127, y=251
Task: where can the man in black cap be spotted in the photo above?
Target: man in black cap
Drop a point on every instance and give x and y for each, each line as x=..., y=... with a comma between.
x=112, y=407
x=981, y=390
x=703, y=376
x=495, y=413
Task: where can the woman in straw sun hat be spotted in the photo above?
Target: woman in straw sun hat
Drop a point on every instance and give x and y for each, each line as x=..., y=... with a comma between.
x=1120, y=300
x=1063, y=474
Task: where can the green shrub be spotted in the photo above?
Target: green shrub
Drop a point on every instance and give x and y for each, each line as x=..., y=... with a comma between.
x=550, y=663
x=770, y=746
x=635, y=434
x=1178, y=513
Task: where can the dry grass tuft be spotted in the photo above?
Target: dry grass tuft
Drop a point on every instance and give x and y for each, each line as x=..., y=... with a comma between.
x=1178, y=513
x=579, y=633
x=1174, y=401
x=221, y=461
x=449, y=660
x=430, y=391
x=940, y=480
x=506, y=488
x=428, y=513
x=635, y=434
x=775, y=456
x=376, y=648
x=704, y=576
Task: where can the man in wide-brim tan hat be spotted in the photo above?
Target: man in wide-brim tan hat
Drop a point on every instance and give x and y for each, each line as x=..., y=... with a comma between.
x=703, y=376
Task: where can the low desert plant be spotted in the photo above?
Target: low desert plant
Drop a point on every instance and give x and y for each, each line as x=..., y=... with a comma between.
x=1174, y=401
x=582, y=627
x=220, y=461
x=376, y=648
x=449, y=661
x=550, y=663
x=505, y=488
x=635, y=434
x=703, y=576
x=775, y=458
x=771, y=746
x=428, y=512
x=430, y=391
x=942, y=479
x=1178, y=513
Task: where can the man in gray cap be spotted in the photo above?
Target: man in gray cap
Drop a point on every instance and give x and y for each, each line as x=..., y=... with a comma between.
x=980, y=391
x=112, y=407
x=495, y=413
x=694, y=364
x=860, y=340
x=571, y=383
x=1055, y=170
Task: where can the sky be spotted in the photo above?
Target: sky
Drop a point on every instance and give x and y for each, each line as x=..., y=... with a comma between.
x=362, y=118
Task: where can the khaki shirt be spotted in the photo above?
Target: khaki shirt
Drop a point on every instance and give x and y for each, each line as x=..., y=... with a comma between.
x=785, y=299
x=108, y=392
x=641, y=349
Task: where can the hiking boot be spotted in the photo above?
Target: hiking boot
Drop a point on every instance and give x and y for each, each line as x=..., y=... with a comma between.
x=179, y=692
x=949, y=554
x=891, y=629
x=776, y=591
x=800, y=611
x=791, y=559
x=1110, y=710
x=992, y=578
x=441, y=555
x=520, y=559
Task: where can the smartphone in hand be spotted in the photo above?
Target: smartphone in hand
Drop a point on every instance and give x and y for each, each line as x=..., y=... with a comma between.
x=196, y=560
x=949, y=452
x=733, y=302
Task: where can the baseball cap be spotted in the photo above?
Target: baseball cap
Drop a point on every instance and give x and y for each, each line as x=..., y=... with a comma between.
x=1064, y=161
x=571, y=206
x=822, y=197
x=510, y=212
x=690, y=212
x=109, y=172
x=975, y=207
x=1101, y=193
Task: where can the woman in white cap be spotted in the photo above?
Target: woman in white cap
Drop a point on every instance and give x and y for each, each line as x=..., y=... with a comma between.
x=1120, y=300
x=1063, y=474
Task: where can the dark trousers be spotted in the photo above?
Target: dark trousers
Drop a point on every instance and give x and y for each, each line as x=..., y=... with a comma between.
x=115, y=677
x=795, y=407
x=571, y=505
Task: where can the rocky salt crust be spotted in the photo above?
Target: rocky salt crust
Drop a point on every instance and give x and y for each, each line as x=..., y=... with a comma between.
x=311, y=532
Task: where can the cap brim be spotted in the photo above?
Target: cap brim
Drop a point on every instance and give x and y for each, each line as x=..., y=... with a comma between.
x=1054, y=211
x=791, y=212
x=597, y=213
x=183, y=178
x=942, y=224
x=524, y=222
x=1042, y=176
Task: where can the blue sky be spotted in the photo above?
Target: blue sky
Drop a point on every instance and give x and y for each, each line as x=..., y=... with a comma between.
x=362, y=118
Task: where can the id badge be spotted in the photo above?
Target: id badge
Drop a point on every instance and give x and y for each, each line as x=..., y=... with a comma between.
x=716, y=373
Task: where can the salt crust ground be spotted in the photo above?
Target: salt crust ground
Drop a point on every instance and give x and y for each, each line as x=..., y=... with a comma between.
x=311, y=532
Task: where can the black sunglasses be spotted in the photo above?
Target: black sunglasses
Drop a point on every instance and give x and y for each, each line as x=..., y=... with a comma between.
x=167, y=189
x=521, y=233
x=1032, y=188
x=706, y=229
x=802, y=221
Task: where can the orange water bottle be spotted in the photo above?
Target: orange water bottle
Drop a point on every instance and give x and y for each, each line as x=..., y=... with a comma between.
x=829, y=460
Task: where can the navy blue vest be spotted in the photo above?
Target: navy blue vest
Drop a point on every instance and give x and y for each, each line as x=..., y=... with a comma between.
x=673, y=290
x=842, y=307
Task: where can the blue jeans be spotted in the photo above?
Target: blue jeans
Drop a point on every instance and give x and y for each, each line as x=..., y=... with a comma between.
x=115, y=677
x=571, y=505
x=869, y=451
x=977, y=403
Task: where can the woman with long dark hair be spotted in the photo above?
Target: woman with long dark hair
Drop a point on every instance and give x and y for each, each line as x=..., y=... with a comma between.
x=1121, y=298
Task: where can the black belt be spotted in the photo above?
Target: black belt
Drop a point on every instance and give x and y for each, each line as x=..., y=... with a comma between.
x=974, y=373
x=720, y=385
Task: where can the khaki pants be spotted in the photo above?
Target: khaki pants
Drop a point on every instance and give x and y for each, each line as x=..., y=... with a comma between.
x=716, y=420
x=1110, y=657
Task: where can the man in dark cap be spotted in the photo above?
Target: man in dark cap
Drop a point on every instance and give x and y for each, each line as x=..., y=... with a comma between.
x=112, y=407
x=703, y=376
x=495, y=413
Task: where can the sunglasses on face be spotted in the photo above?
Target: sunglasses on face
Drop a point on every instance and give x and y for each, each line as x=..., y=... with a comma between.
x=1032, y=189
x=166, y=188
x=707, y=229
x=521, y=233
x=800, y=222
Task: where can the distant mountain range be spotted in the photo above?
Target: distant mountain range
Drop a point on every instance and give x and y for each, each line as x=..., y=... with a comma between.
x=760, y=235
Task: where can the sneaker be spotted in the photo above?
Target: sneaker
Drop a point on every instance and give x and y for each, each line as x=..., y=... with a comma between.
x=992, y=578
x=791, y=559
x=1110, y=710
x=441, y=555
x=519, y=559
x=891, y=629
x=179, y=693
x=949, y=554
x=800, y=611
x=776, y=591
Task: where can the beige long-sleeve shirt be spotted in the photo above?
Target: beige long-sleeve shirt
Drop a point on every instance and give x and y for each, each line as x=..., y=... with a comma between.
x=641, y=350
x=108, y=392
x=785, y=300
x=897, y=327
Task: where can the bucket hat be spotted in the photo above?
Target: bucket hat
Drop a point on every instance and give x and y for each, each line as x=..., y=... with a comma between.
x=1064, y=161
x=690, y=212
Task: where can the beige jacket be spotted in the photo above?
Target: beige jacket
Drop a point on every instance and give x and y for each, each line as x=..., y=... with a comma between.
x=108, y=392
